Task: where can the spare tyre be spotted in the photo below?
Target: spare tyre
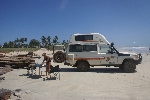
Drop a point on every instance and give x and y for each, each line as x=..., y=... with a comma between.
x=59, y=57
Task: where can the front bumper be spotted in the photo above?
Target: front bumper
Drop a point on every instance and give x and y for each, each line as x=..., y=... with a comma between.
x=139, y=61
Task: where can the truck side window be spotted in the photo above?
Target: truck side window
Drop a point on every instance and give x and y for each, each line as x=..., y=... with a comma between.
x=83, y=37
x=89, y=47
x=105, y=49
x=75, y=48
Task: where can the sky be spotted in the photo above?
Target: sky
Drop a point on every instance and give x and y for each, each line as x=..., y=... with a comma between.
x=124, y=22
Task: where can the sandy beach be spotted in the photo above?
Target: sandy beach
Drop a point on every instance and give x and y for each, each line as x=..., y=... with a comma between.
x=99, y=83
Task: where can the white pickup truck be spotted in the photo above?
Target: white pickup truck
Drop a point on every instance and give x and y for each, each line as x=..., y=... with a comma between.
x=85, y=50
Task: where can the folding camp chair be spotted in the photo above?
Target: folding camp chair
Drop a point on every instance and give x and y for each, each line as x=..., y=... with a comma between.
x=33, y=67
x=55, y=70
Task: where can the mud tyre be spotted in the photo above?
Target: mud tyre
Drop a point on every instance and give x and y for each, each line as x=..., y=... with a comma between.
x=59, y=57
x=82, y=66
x=129, y=66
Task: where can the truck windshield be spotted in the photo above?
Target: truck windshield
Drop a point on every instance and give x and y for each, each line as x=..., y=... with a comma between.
x=115, y=50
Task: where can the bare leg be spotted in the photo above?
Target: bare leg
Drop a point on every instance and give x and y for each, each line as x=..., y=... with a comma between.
x=46, y=69
x=49, y=68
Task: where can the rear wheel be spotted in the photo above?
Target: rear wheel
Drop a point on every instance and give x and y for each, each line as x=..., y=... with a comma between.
x=129, y=66
x=82, y=66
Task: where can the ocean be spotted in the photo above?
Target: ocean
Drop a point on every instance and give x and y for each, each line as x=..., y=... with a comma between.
x=135, y=49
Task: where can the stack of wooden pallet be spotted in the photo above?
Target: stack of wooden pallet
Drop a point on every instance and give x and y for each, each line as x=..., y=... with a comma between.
x=4, y=70
x=5, y=94
x=18, y=61
x=1, y=55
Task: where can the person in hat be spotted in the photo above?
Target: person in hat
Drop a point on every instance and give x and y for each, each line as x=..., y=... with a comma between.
x=48, y=62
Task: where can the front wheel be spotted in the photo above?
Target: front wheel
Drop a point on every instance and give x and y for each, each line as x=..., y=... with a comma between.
x=82, y=66
x=129, y=66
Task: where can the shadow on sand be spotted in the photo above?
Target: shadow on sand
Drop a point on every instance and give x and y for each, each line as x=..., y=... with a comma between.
x=95, y=70
x=32, y=76
x=52, y=78
x=38, y=77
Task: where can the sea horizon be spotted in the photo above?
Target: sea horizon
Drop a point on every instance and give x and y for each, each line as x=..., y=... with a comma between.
x=137, y=49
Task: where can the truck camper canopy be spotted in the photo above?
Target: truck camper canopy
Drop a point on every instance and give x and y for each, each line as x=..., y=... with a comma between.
x=88, y=38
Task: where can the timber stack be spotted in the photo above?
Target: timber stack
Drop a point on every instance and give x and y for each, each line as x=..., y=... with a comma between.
x=5, y=94
x=18, y=61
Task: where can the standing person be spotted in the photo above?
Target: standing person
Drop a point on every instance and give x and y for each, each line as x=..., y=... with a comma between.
x=48, y=62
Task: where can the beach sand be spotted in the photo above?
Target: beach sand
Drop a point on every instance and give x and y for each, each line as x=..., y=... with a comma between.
x=99, y=83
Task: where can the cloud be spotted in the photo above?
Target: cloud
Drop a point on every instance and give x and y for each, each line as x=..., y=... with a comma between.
x=63, y=4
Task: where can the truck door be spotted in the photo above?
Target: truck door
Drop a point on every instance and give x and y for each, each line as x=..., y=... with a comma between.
x=109, y=58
